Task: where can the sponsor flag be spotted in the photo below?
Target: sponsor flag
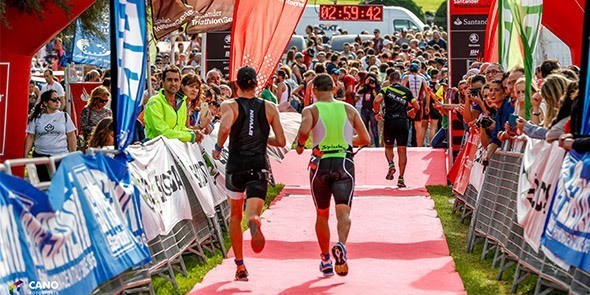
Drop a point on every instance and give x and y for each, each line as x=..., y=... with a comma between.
x=491, y=53
x=260, y=34
x=91, y=50
x=130, y=20
x=74, y=237
x=510, y=51
x=567, y=235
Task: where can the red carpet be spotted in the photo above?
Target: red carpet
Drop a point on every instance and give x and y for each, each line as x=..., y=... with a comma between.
x=425, y=166
x=396, y=244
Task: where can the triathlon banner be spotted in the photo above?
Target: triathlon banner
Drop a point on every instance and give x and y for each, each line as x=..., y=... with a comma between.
x=72, y=238
x=536, y=187
x=131, y=67
x=467, y=20
x=90, y=50
x=260, y=34
x=193, y=166
x=158, y=179
x=567, y=235
x=201, y=16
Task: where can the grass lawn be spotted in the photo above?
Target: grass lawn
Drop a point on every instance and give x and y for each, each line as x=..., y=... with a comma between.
x=195, y=268
x=478, y=277
x=426, y=4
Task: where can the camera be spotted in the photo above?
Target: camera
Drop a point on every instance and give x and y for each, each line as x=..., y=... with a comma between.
x=485, y=122
x=474, y=91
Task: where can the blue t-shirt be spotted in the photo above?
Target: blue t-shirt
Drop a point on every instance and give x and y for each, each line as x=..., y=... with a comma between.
x=501, y=118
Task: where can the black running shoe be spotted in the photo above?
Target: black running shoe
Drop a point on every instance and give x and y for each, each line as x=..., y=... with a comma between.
x=339, y=253
x=241, y=273
x=327, y=268
x=390, y=172
x=401, y=183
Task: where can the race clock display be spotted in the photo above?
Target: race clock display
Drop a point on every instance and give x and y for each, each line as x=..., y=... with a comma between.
x=351, y=13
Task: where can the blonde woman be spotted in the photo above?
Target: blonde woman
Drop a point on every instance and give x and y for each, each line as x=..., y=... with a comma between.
x=95, y=110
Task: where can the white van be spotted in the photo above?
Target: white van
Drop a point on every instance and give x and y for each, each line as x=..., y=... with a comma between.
x=394, y=19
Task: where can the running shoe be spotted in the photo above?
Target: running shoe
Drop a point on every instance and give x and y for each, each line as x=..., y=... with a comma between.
x=241, y=273
x=257, y=241
x=339, y=253
x=326, y=268
x=390, y=172
x=401, y=183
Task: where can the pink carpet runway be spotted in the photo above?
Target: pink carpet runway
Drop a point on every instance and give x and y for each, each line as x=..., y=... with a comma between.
x=396, y=245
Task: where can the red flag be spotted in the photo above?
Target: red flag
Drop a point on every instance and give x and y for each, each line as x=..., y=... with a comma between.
x=566, y=20
x=491, y=53
x=260, y=34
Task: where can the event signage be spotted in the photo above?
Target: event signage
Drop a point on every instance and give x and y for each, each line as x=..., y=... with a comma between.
x=131, y=68
x=70, y=239
x=4, y=72
x=91, y=50
x=217, y=52
x=467, y=20
x=351, y=13
x=201, y=15
x=567, y=235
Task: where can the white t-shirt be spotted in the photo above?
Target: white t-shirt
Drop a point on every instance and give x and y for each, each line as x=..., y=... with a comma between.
x=55, y=86
x=51, y=133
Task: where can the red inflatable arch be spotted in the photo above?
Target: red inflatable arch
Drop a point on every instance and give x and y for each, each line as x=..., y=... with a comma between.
x=26, y=35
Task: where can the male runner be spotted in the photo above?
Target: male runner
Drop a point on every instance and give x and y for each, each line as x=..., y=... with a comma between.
x=247, y=121
x=395, y=122
x=331, y=166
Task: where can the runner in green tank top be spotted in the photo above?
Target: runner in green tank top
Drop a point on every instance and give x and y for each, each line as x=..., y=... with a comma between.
x=333, y=124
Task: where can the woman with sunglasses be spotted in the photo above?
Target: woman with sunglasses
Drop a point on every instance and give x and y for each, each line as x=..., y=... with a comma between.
x=50, y=131
x=95, y=110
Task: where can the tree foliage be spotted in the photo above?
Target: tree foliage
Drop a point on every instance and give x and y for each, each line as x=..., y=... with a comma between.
x=33, y=7
x=440, y=18
x=407, y=4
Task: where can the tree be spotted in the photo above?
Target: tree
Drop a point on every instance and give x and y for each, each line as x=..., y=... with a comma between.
x=407, y=4
x=440, y=18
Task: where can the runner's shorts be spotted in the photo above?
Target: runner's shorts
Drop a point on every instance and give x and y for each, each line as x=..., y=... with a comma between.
x=333, y=176
x=396, y=131
x=247, y=174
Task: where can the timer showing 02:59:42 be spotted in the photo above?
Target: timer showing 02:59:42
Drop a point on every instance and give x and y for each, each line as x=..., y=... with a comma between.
x=351, y=12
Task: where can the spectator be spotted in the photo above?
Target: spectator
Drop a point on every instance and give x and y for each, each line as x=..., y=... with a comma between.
x=548, y=67
x=580, y=145
x=103, y=134
x=504, y=109
x=50, y=131
x=377, y=41
x=94, y=110
x=214, y=77
x=52, y=85
x=166, y=113
x=367, y=93
x=437, y=40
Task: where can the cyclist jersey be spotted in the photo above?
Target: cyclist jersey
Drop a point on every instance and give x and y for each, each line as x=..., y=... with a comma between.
x=396, y=98
x=249, y=133
x=333, y=133
x=415, y=83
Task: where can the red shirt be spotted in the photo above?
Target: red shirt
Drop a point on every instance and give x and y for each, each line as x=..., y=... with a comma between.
x=349, y=80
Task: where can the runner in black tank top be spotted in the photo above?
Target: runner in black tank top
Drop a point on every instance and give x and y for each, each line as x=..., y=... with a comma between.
x=247, y=120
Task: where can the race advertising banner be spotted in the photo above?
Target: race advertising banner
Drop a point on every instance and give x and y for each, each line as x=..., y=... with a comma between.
x=201, y=16
x=467, y=20
x=80, y=95
x=4, y=71
x=90, y=50
x=218, y=51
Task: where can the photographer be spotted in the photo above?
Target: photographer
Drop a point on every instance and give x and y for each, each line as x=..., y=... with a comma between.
x=474, y=105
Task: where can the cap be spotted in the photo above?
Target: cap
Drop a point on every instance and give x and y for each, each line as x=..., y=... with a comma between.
x=414, y=67
x=246, y=74
x=471, y=72
x=335, y=71
x=321, y=53
x=440, y=61
x=404, y=30
x=376, y=31
x=298, y=55
x=386, y=42
x=405, y=47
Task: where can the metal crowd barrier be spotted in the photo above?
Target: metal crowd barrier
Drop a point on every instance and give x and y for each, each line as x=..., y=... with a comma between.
x=196, y=236
x=494, y=220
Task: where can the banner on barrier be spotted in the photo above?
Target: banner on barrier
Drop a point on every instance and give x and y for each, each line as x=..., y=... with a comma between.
x=477, y=169
x=536, y=187
x=194, y=167
x=464, y=172
x=69, y=240
x=567, y=234
x=159, y=182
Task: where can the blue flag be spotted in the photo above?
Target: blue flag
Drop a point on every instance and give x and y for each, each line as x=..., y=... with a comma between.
x=130, y=18
x=72, y=238
x=567, y=233
x=92, y=50
x=586, y=115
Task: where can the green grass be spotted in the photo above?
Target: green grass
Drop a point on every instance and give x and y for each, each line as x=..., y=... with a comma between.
x=478, y=277
x=195, y=268
x=426, y=4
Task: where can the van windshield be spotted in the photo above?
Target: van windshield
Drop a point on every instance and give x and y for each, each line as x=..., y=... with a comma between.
x=400, y=24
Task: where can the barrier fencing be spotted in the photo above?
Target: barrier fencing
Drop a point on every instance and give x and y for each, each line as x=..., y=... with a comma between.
x=196, y=236
x=494, y=222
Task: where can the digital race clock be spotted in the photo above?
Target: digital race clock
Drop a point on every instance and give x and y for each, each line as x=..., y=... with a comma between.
x=351, y=12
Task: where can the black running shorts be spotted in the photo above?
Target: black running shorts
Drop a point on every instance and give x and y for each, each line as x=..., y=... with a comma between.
x=246, y=174
x=333, y=176
x=396, y=131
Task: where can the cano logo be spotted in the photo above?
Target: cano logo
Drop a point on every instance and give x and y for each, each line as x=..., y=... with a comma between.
x=17, y=288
